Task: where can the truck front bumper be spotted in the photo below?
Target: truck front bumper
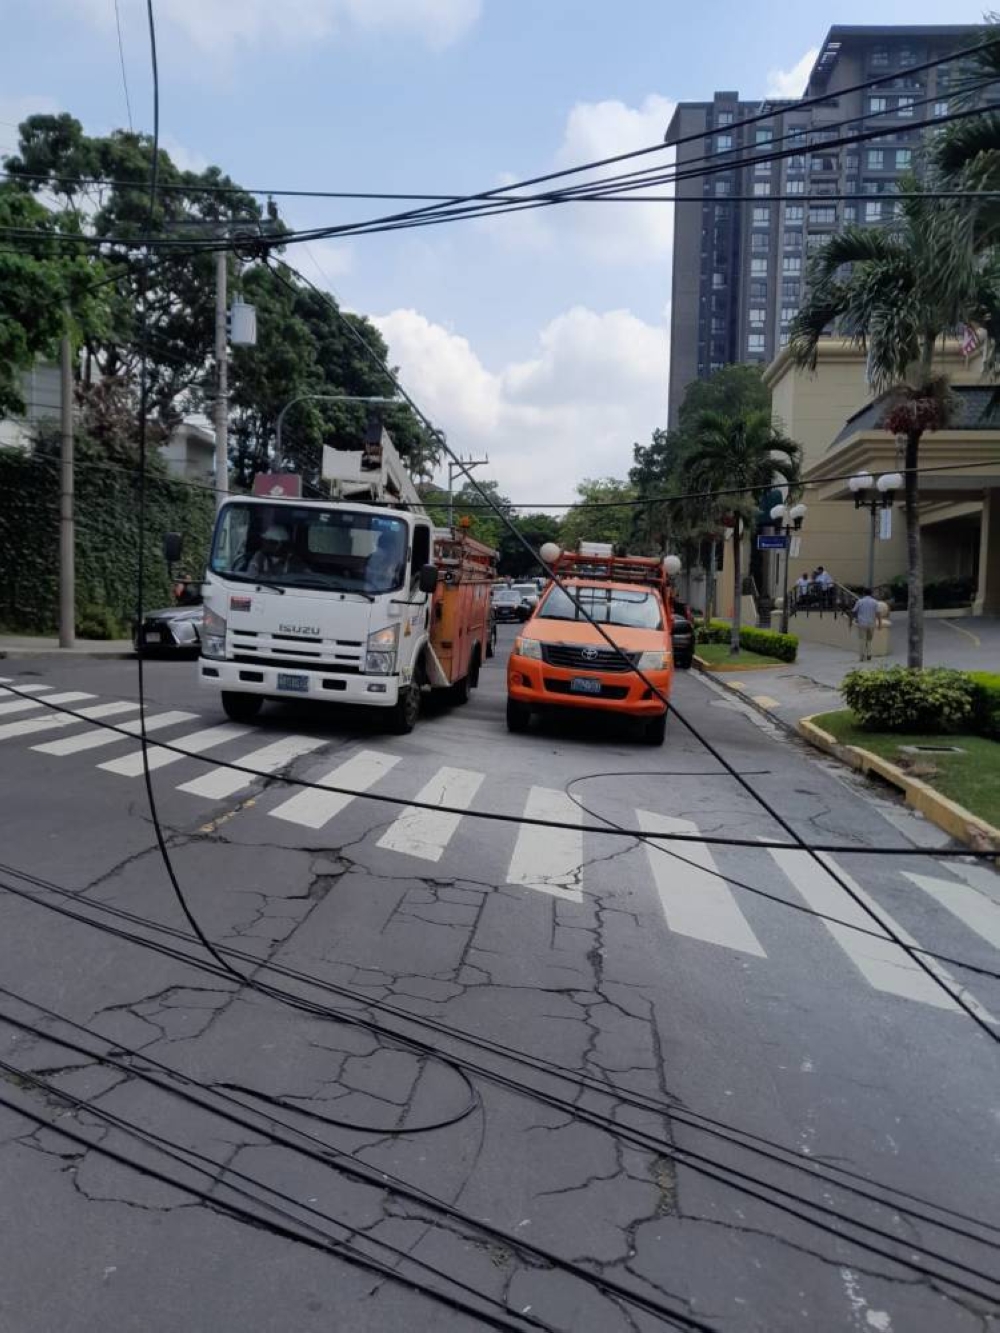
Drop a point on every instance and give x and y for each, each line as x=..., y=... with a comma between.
x=297, y=683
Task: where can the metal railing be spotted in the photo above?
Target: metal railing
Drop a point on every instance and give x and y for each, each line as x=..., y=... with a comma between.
x=831, y=599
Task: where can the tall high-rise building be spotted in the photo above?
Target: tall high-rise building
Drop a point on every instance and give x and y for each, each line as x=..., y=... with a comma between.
x=744, y=228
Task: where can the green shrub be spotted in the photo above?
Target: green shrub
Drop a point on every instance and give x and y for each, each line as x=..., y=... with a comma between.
x=770, y=643
x=716, y=631
x=986, y=703
x=97, y=622
x=904, y=699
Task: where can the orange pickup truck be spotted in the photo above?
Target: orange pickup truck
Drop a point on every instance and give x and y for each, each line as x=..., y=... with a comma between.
x=560, y=660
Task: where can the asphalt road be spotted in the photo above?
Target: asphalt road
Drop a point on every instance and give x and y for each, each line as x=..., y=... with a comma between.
x=560, y=1078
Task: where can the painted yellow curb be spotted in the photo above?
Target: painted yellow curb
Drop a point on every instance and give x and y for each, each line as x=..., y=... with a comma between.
x=720, y=668
x=954, y=819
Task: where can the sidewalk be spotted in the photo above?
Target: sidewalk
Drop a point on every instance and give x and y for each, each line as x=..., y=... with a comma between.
x=812, y=683
x=30, y=645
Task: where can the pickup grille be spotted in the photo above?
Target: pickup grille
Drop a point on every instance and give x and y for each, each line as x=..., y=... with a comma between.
x=571, y=655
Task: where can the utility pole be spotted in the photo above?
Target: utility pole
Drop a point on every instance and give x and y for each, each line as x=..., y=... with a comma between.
x=222, y=381
x=462, y=465
x=67, y=564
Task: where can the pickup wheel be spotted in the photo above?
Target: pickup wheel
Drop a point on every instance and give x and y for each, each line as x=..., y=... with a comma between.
x=404, y=713
x=655, y=731
x=518, y=716
x=461, y=692
x=241, y=707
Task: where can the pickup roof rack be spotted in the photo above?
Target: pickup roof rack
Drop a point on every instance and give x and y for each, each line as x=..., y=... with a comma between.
x=644, y=569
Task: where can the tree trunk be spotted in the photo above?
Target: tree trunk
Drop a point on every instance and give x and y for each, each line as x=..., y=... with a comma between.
x=914, y=557
x=734, y=635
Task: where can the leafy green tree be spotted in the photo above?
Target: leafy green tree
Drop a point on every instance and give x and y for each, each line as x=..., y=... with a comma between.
x=744, y=453
x=484, y=523
x=733, y=389
x=884, y=289
x=536, y=529
x=603, y=514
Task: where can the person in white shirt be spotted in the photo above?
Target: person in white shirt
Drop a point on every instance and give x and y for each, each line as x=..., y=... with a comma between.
x=867, y=617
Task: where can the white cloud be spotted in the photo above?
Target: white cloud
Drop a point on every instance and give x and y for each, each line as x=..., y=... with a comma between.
x=615, y=233
x=791, y=82
x=329, y=261
x=15, y=109
x=214, y=25
x=593, y=385
x=184, y=158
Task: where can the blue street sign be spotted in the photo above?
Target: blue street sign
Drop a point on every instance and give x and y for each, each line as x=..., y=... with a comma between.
x=771, y=542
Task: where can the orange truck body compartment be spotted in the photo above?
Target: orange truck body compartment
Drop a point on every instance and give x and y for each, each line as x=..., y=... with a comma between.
x=460, y=610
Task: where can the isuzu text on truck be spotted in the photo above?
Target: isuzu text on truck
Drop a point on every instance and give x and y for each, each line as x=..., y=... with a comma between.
x=344, y=601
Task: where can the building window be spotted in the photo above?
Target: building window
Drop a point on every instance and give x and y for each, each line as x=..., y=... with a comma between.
x=822, y=215
x=755, y=343
x=758, y=268
x=875, y=159
x=851, y=162
x=873, y=212
x=723, y=142
x=788, y=313
x=760, y=242
x=904, y=106
x=904, y=156
x=795, y=132
x=876, y=105
x=762, y=215
x=763, y=135
x=880, y=57
x=762, y=189
x=826, y=164
x=758, y=315
x=724, y=118
x=723, y=187
x=758, y=291
x=791, y=264
x=793, y=240
x=718, y=279
x=907, y=56
x=795, y=212
x=783, y=340
x=789, y=289
x=850, y=214
x=796, y=163
x=762, y=168
x=795, y=187
x=718, y=326
x=940, y=108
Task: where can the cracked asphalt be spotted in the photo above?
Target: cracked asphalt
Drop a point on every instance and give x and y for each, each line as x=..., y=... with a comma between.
x=563, y=1110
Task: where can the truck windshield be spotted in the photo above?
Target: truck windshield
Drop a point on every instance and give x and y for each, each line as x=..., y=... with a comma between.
x=343, y=550
x=607, y=606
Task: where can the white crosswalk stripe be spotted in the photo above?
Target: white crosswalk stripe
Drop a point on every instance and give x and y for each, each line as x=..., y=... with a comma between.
x=32, y=705
x=426, y=833
x=101, y=736
x=695, y=901
x=980, y=913
x=196, y=742
x=312, y=808
x=221, y=782
x=23, y=689
x=548, y=859
x=881, y=962
x=32, y=725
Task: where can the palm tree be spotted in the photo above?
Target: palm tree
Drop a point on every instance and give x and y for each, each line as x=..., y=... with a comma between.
x=886, y=291
x=744, y=453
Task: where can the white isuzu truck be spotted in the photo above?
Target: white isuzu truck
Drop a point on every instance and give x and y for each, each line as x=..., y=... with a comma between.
x=345, y=601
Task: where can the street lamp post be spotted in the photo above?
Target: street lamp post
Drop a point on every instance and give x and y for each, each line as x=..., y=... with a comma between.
x=787, y=520
x=326, y=397
x=863, y=482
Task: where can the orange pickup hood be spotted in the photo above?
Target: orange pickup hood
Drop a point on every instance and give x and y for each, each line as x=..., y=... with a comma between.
x=579, y=631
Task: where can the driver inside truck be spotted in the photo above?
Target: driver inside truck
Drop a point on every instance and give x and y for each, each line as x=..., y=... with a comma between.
x=275, y=554
x=384, y=570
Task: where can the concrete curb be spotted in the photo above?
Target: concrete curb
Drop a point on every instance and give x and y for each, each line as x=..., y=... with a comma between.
x=109, y=654
x=721, y=668
x=953, y=819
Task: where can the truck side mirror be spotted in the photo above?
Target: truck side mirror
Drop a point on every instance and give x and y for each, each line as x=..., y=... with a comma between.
x=427, y=579
x=173, y=545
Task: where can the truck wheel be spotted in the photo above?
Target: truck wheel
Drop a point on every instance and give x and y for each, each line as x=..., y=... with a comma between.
x=241, y=707
x=491, y=641
x=518, y=716
x=404, y=713
x=655, y=731
x=474, y=669
x=461, y=692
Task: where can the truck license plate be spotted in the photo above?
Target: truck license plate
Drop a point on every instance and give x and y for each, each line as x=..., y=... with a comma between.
x=585, y=685
x=299, y=683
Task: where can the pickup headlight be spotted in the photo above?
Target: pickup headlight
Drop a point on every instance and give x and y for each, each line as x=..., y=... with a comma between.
x=380, y=659
x=528, y=648
x=213, y=634
x=653, y=661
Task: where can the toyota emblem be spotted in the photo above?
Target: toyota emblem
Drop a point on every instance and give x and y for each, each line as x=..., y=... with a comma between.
x=588, y=654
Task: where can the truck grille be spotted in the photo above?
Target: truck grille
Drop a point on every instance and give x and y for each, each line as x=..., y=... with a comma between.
x=278, y=650
x=601, y=659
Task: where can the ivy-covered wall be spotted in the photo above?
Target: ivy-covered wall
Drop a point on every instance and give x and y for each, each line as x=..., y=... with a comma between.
x=107, y=541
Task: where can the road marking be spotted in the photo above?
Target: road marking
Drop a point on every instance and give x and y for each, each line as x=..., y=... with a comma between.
x=426, y=833
x=25, y=689
x=765, y=700
x=92, y=740
x=312, y=808
x=975, y=909
x=960, y=630
x=695, y=901
x=131, y=765
x=880, y=961
x=30, y=705
x=221, y=782
x=30, y=726
x=548, y=859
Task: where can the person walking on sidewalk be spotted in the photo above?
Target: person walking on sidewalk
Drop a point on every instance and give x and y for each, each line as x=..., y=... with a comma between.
x=867, y=618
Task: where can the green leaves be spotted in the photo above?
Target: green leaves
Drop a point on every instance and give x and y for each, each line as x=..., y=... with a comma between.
x=904, y=699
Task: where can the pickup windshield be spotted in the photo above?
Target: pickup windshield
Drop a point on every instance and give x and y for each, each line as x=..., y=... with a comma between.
x=607, y=606
x=292, y=546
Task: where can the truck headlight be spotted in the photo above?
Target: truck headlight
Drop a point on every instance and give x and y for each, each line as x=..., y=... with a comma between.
x=528, y=648
x=213, y=634
x=380, y=659
x=653, y=661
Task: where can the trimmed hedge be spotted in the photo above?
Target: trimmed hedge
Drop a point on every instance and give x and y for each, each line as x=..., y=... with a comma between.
x=986, y=703
x=768, y=642
x=903, y=699
x=716, y=631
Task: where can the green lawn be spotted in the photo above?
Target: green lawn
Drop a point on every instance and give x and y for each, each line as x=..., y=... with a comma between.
x=719, y=653
x=972, y=779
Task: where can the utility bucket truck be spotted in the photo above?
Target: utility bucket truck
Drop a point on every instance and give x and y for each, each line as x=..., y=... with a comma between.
x=351, y=600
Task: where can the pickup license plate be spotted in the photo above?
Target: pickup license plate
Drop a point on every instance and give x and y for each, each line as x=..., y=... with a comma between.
x=585, y=685
x=299, y=683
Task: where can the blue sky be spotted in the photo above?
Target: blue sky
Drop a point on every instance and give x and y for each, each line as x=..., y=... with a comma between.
x=542, y=340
